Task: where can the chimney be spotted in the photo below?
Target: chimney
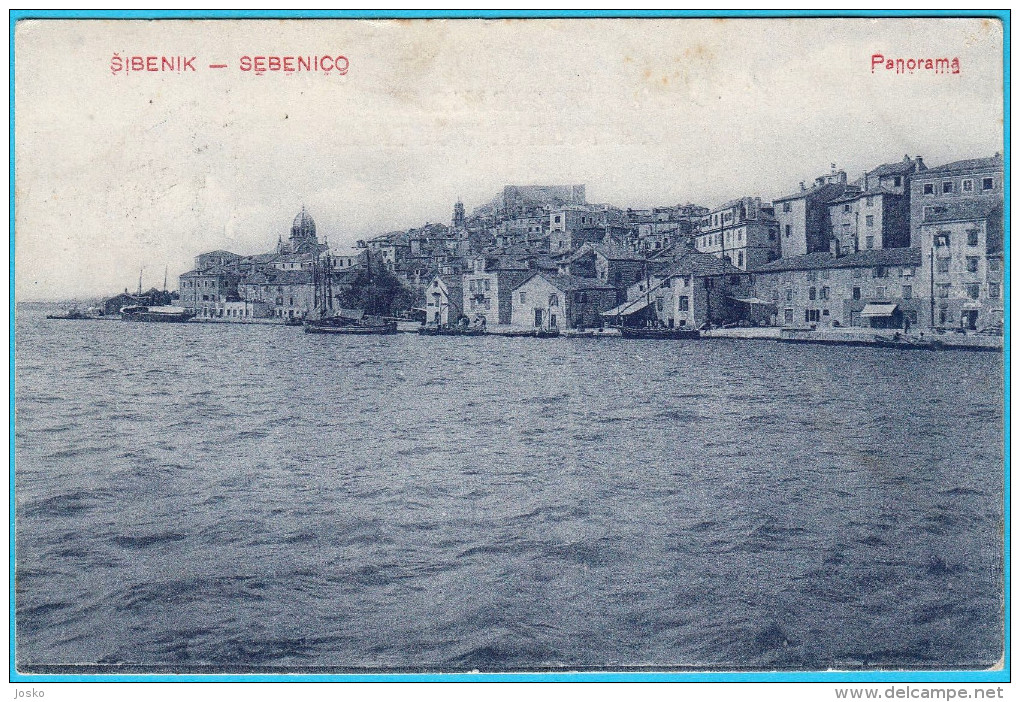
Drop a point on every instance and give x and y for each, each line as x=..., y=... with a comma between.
x=906, y=157
x=802, y=185
x=832, y=167
x=920, y=163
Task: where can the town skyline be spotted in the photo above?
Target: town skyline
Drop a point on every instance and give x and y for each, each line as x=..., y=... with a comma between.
x=121, y=172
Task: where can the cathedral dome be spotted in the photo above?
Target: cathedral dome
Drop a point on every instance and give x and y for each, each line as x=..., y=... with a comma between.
x=303, y=227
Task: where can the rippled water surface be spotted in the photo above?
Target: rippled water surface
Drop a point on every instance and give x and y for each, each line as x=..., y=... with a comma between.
x=200, y=495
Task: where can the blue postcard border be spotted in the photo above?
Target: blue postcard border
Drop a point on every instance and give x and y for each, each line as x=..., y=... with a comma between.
x=878, y=676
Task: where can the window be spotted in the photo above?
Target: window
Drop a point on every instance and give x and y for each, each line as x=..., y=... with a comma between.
x=987, y=183
x=880, y=272
x=658, y=304
x=558, y=219
x=972, y=264
x=523, y=297
x=868, y=201
x=788, y=316
x=906, y=271
x=968, y=185
x=908, y=292
x=942, y=239
x=943, y=290
x=825, y=274
x=942, y=265
x=897, y=181
x=929, y=189
x=824, y=294
x=858, y=273
x=869, y=221
x=857, y=293
x=786, y=207
x=789, y=294
x=486, y=285
x=811, y=293
x=869, y=242
x=993, y=265
x=789, y=230
x=972, y=237
x=740, y=259
x=880, y=292
x=947, y=187
x=993, y=290
x=973, y=290
x=812, y=316
x=846, y=208
x=811, y=276
x=685, y=303
x=554, y=300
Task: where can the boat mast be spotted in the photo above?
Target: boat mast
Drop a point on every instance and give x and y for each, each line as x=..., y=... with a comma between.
x=140, y=282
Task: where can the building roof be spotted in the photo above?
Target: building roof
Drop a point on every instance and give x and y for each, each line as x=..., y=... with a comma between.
x=629, y=307
x=959, y=210
x=570, y=283
x=701, y=264
x=970, y=164
x=211, y=270
x=823, y=192
x=220, y=252
x=857, y=195
x=861, y=259
x=898, y=168
x=614, y=252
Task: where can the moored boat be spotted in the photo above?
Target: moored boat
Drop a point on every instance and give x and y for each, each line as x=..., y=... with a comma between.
x=146, y=313
x=74, y=314
x=324, y=326
x=450, y=331
x=659, y=333
x=902, y=342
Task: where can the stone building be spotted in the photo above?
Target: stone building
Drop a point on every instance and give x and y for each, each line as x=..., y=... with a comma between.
x=875, y=213
x=970, y=179
x=206, y=292
x=805, y=224
x=548, y=301
x=872, y=288
x=608, y=263
x=706, y=289
x=565, y=226
x=487, y=288
x=744, y=232
x=444, y=300
x=962, y=249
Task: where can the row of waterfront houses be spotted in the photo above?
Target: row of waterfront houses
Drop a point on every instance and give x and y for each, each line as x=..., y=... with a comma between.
x=903, y=243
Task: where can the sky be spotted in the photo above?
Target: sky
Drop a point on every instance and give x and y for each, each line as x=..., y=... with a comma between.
x=117, y=172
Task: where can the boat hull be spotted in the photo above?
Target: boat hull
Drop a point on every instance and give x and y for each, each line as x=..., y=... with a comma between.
x=350, y=329
x=652, y=333
x=156, y=317
x=440, y=331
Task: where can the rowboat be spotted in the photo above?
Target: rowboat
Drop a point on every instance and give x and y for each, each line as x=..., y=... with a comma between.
x=332, y=325
x=659, y=333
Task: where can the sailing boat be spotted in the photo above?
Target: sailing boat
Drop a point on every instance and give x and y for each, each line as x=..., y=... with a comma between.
x=328, y=320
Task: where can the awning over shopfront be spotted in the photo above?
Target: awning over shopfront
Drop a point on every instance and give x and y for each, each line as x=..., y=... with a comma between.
x=628, y=308
x=878, y=310
x=753, y=301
